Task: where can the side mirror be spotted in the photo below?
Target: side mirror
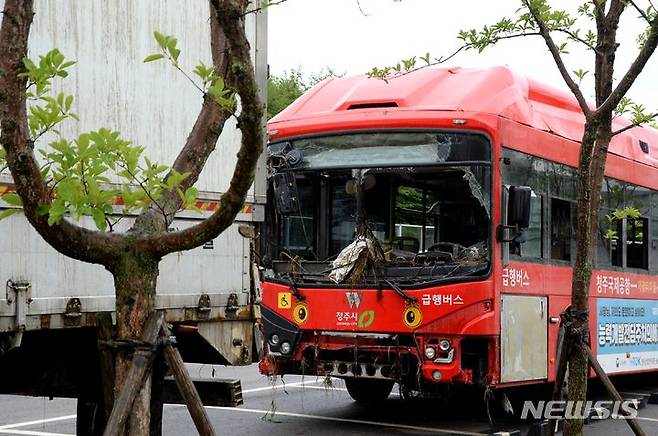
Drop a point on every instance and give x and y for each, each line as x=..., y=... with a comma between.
x=518, y=206
x=247, y=231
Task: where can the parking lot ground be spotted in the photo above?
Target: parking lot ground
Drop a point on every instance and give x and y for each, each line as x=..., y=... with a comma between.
x=301, y=406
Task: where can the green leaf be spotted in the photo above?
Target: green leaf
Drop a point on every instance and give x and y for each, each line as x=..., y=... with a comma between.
x=57, y=210
x=581, y=73
x=160, y=38
x=171, y=42
x=58, y=58
x=190, y=195
x=153, y=57
x=43, y=210
x=9, y=212
x=205, y=72
x=174, y=53
x=12, y=199
x=99, y=219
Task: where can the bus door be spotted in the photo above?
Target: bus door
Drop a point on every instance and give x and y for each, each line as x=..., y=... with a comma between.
x=523, y=338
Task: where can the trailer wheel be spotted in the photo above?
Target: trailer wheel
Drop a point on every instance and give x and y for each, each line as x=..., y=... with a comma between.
x=368, y=390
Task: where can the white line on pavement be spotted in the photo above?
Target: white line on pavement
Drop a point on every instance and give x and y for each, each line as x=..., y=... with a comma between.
x=641, y=418
x=31, y=432
x=351, y=421
x=279, y=386
x=332, y=388
x=301, y=385
x=322, y=388
x=37, y=422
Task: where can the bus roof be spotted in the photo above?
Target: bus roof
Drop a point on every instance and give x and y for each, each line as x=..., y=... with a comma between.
x=497, y=91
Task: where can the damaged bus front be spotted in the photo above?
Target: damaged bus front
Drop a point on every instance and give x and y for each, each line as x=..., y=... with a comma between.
x=375, y=256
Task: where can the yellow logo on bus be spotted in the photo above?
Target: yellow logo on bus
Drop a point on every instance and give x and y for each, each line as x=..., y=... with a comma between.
x=412, y=317
x=300, y=313
x=285, y=300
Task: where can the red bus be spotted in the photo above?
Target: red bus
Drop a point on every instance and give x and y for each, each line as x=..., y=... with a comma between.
x=421, y=231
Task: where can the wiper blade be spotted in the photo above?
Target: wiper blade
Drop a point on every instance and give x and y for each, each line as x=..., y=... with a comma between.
x=409, y=299
x=295, y=290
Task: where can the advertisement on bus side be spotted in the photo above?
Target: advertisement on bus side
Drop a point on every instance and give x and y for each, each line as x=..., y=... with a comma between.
x=627, y=334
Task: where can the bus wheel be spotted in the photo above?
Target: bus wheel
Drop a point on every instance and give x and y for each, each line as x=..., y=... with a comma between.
x=368, y=390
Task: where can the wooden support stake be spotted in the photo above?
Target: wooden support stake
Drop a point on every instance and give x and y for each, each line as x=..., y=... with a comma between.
x=633, y=424
x=562, y=357
x=157, y=382
x=105, y=331
x=137, y=374
x=187, y=390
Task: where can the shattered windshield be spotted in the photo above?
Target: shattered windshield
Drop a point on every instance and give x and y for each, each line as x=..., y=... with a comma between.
x=361, y=223
x=375, y=149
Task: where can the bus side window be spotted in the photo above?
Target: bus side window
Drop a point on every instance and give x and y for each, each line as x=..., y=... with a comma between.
x=608, y=246
x=653, y=242
x=532, y=245
x=637, y=248
x=560, y=229
x=653, y=245
x=521, y=169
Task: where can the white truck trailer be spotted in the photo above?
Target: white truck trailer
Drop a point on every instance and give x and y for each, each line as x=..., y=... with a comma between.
x=51, y=304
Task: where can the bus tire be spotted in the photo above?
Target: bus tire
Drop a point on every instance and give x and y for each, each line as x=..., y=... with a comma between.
x=367, y=391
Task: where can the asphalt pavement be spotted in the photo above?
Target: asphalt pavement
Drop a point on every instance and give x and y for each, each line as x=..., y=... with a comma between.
x=303, y=406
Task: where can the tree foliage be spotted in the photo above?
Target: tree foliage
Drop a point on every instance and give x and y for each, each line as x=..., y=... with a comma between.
x=101, y=175
x=283, y=90
x=593, y=27
x=566, y=30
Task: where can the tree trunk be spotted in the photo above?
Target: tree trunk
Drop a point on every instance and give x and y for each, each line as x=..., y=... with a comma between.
x=135, y=277
x=593, y=156
x=582, y=273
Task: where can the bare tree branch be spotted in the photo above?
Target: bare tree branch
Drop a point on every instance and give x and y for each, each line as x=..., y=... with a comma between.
x=633, y=125
x=200, y=143
x=140, y=183
x=641, y=12
x=615, y=9
x=555, y=52
x=606, y=43
x=633, y=71
x=182, y=71
x=67, y=238
x=358, y=3
x=445, y=59
x=599, y=10
x=260, y=8
x=575, y=37
x=250, y=124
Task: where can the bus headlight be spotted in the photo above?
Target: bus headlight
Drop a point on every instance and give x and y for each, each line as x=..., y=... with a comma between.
x=444, y=345
x=430, y=352
x=285, y=347
x=274, y=339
